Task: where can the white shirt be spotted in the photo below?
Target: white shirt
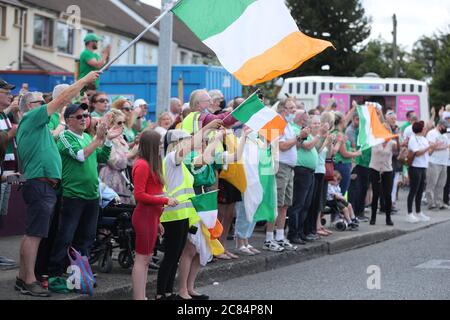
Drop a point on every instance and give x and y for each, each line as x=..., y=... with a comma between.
x=381, y=159
x=332, y=191
x=439, y=157
x=322, y=160
x=418, y=143
x=408, y=132
x=288, y=157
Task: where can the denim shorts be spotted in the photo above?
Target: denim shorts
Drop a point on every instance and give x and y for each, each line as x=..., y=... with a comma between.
x=40, y=199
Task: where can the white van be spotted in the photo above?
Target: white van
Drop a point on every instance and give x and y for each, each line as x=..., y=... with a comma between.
x=401, y=95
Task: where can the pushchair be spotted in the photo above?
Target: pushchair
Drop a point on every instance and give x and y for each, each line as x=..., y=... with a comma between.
x=114, y=231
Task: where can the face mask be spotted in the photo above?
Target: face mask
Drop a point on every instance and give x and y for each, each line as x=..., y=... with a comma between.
x=223, y=104
x=290, y=118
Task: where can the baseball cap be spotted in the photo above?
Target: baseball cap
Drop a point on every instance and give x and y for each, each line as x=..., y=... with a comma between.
x=140, y=102
x=6, y=85
x=59, y=89
x=73, y=108
x=176, y=135
x=92, y=37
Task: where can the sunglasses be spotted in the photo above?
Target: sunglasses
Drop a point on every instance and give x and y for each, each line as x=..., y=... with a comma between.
x=81, y=116
x=102, y=101
x=41, y=102
x=8, y=93
x=126, y=109
x=120, y=123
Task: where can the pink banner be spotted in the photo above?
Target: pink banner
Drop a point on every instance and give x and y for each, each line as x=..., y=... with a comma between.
x=342, y=101
x=406, y=104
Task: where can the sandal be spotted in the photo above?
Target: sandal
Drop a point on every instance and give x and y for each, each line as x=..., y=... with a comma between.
x=245, y=251
x=253, y=249
x=223, y=256
x=231, y=255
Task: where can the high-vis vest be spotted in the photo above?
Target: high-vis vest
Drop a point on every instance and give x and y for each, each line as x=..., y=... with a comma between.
x=191, y=124
x=182, y=193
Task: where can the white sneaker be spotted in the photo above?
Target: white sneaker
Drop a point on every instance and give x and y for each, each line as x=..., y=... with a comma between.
x=411, y=218
x=423, y=217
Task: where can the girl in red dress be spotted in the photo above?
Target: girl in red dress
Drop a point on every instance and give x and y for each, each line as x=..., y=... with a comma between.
x=148, y=192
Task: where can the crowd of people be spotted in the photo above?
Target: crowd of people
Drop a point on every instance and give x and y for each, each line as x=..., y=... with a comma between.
x=77, y=140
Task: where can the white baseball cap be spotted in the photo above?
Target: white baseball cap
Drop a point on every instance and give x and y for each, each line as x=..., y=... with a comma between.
x=140, y=102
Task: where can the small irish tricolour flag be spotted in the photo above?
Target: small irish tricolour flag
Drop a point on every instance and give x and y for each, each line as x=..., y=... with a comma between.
x=255, y=40
x=371, y=131
x=254, y=114
x=206, y=206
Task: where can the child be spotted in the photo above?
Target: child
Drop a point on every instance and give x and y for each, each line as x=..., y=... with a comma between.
x=149, y=181
x=337, y=202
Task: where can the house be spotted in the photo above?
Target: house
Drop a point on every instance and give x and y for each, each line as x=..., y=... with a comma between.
x=47, y=35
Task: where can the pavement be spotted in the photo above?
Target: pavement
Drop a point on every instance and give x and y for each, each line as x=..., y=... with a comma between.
x=117, y=284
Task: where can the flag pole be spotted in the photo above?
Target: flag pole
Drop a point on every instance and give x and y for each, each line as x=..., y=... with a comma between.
x=251, y=96
x=163, y=14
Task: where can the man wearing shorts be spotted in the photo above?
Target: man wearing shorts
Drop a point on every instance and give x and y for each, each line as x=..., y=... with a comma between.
x=285, y=181
x=41, y=165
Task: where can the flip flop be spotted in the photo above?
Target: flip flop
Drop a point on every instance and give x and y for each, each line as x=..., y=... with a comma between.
x=223, y=256
x=232, y=256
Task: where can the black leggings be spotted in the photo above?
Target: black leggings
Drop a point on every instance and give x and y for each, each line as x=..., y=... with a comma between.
x=381, y=182
x=447, y=187
x=175, y=238
x=417, y=181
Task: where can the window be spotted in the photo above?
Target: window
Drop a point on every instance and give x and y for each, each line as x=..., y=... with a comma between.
x=2, y=21
x=143, y=55
x=290, y=87
x=25, y=27
x=314, y=87
x=387, y=87
x=299, y=86
x=16, y=17
x=64, y=38
x=322, y=86
x=125, y=58
x=411, y=88
x=84, y=32
x=403, y=87
x=306, y=87
x=183, y=57
x=43, y=31
x=196, y=59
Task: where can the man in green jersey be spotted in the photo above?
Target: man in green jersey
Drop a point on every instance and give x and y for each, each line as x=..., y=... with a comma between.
x=80, y=156
x=41, y=166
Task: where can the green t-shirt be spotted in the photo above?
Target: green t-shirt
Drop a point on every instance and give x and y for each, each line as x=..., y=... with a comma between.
x=37, y=148
x=308, y=158
x=95, y=114
x=85, y=68
x=338, y=158
x=54, y=121
x=129, y=134
x=80, y=178
x=404, y=126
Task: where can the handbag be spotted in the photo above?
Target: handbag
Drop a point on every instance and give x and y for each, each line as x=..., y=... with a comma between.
x=81, y=278
x=329, y=170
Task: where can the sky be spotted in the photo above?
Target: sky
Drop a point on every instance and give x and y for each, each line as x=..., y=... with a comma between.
x=415, y=18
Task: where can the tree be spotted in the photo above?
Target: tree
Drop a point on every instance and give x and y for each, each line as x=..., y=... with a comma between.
x=440, y=86
x=346, y=25
x=377, y=56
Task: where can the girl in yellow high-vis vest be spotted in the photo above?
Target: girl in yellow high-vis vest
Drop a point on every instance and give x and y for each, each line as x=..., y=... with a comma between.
x=179, y=220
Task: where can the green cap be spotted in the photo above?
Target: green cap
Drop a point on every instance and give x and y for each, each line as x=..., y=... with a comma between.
x=91, y=37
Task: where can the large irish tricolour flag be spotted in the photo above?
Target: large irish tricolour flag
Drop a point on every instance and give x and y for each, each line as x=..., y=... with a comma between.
x=255, y=40
x=371, y=131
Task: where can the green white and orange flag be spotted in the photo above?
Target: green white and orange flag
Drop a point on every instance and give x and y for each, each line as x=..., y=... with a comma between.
x=255, y=40
x=371, y=131
x=254, y=114
x=206, y=206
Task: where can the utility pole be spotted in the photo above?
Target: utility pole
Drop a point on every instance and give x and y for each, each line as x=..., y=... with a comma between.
x=395, y=48
x=164, y=85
